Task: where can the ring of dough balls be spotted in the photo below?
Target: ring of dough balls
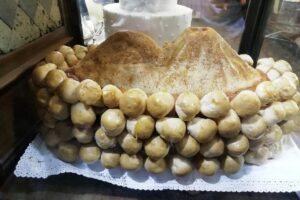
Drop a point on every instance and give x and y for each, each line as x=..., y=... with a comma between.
x=89, y=153
x=208, y=166
x=133, y=102
x=131, y=162
x=203, y=130
x=246, y=103
x=58, y=108
x=113, y=122
x=274, y=113
x=155, y=166
x=171, y=129
x=129, y=144
x=83, y=135
x=253, y=127
x=187, y=106
x=230, y=125
x=64, y=130
x=180, y=166
x=213, y=148
x=88, y=92
x=67, y=90
x=286, y=88
x=82, y=115
x=232, y=165
x=272, y=135
x=215, y=104
x=187, y=146
x=68, y=151
x=257, y=157
x=237, y=146
x=267, y=92
x=111, y=96
x=104, y=141
x=156, y=148
x=54, y=78
x=160, y=104
x=141, y=127
x=55, y=57
x=39, y=73
x=43, y=97
x=110, y=159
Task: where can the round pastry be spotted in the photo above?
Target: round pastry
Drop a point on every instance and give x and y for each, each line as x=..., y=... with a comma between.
x=232, y=165
x=213, y=148
x=246, y=103
x=282, y=66
x=253, y=127
x=82, y=115
x=237, y=146
x=273, y=74
x=111, y=96
x=133, y=102
x=286, y=88
x=67, y=90
x=110, y=159
x=187, y=146
x=54, y=78
x=208, y=166
x=71, y=59
x=68, y=151
x=255, y=144
x=203, y=130
x=129, y=144
x=274, y=113
x=267, y=93
x=55, y=57
x=257, y=157
x=89, y=153
x=39, y=73
x=288, y=127
x=63, y=130
x=83, y=135
x=141, y=127
x=58, y=108
x=66, y=50
x=80, y=55
x=274, y=150
x=187, y=106
x=292, y=77
x=230, y=125
x=171, y=129
x=51, y=138
x=296, y=98
x=265, y=64
x=131, y=162
x=43, y=97
x=160, y=104
x=291, y=109
x=79, y=48
x=272, y=135
x=48, y=120
x=88, y=92
x=63, y=66
x=103, y=140
x=156, y=148
x=180, y=166
x=247, y=58
x=215, y=104
x=155, y=166
x=113, y=122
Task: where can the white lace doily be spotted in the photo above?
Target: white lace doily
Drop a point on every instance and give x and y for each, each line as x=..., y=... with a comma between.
x=278, y=175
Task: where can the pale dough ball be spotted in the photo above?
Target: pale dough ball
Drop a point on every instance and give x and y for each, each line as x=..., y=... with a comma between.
x=68, y=151
x=187, y=147
x=237, y=146
x=247, y=58
x=246, y=103
x=113, y=122
x=82, y=115
x=230, y=125
x=286, y=88
x=156, y=148
x=213, y=148
x=274, y=113
x=58, y=108
x=267, y=92
x=88, y=92
x=104, y=141
x=111, y=96
x=83, y=135
x=155, y=166
x=180, y=166
x=232, y=165
x=208, y=166
x=171, y=129
x=215, y=104
x=55, y=57
x=39, y=74
x=89, y=153
x=131, y=162
x=141, y=127
x=203, y=130
x=110, y=159
x=133, y=102
x=253, y=127
x=63, y=130
x=54, y=78
x=129, y=144
x=67, y=90
x=258, y=157
x=187, y=106
x=43, y=96
x=160, y=104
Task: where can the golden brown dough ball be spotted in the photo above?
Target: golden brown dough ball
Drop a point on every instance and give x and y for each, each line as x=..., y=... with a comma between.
x=246, y=103
x=133, y=102
x=55, y=57
x=80, y=55
x=180, y=166
x=67, y=90
x=111, y=96
x=267, y=92
x=155, y=166
x=63, y=66
x=187, y=106
x=237, y=146
x=156, y=148
x=58, y=108
x=203, y=130
x=82, y=115
x=54, y=78
x=253, y=127
x=89, y=153
x=71, y=59
x=129, y=144
x=230, y=125
x=131, y=162
x=66, y=50
x=213, y=148
x=79, y=48
x=187, y=146
x=274, y=113
x=232, y=165
x=286, y=88
x=272, y=135
x=51, y=138
x=64, y=130
x=207, y=166
x=39, y=74
x=215, y=104
x=83, y=135
x=88, y=92
x=43, y=96
x=160, y=104
x=141, y=127
x=171, y=129
x=49, y=120
x=113, y=122
x=103, y=140
x=257, y=157
x=110, y=159
x=68, y=151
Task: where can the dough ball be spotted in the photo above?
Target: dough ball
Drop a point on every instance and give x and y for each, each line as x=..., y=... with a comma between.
x=188, y=146
x=82, y=115
x=79, y=48
x=64, y=130
x=246, y=103
x=141, y=127
x=58, y=108
x=273, y=114
x=273, y=74
x=272, y=135
x=282, y=66
x=215, y=104
x=111, y=96
x=83, y=135
x=203, y=130
x=88, y=92
x=292, y=77
x=65, y=50
x=230, y=125
x=156, y=148
x=55, y=57
x=286, y=88
x=289, y=126
x=253, y=127
x=103, y=140
x=160, y=104
x=180, y=166
x=71, y=59
x=247, y=58
x=296, y=98
x=129, y=144
x=267, y=92
x=110, y=159
x=63, y=66
x=258, y=157
x=113, y=122
x=89, y=153
x=155, y=166
x=187, y=106
x=208, y=166
x=67, y=90
x=291, y=109
x=131, y=162
x=213, y=148
x=68, y=151
x=39, y=74
x=171, y=129
x=54, y=78
x=43, y=96
x=274, y=150
x=51, y=138
x=265, y=64
x=133, y=102
x=237, y=146
x=232, y=165
x=48, y=120
x=80, y=55
x=255, y=144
